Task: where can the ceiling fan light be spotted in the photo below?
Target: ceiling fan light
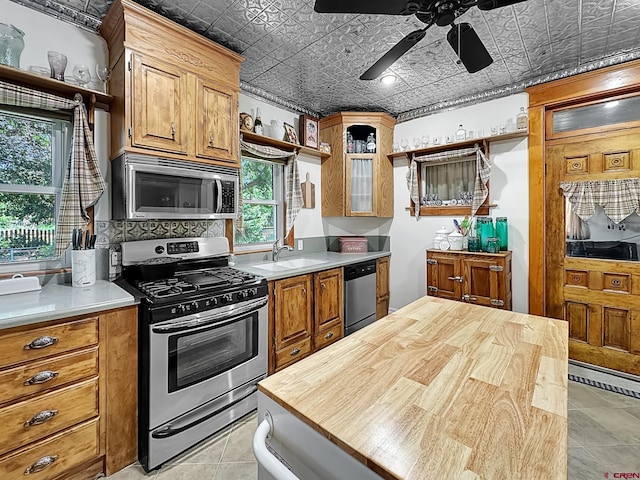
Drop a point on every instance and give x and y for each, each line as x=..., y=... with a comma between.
x=388, y=79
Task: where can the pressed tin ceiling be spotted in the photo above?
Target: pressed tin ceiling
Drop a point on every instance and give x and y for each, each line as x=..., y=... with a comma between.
x=311, y=62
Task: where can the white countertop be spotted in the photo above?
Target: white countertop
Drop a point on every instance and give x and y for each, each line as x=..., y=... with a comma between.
x=328, y=259
x=58, y=301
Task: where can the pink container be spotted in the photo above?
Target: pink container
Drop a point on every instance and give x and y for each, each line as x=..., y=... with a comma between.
x=353, y=244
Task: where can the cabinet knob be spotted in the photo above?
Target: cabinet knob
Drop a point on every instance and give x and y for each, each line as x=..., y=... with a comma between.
x=295, y=351
x=173, y=130
x=304, y=291
x=42, y=342
x=40, y=418
x=41, y=464
x=211, y=139
x=328, y=335
x=41, y=377
x=323, y=286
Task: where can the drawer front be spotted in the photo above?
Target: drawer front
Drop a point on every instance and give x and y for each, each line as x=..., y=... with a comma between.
x=34, y=377
x=53, y=456
x=293, y=352
x=329, y=336
x=45, y=341
x=46, y=414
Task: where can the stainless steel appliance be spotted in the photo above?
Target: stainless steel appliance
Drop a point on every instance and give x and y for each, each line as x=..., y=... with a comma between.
x=203, y=342
x=146, y=187
x=359, y=296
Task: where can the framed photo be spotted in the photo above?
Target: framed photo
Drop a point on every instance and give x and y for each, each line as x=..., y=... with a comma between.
x=290, y=134
x=309, y=131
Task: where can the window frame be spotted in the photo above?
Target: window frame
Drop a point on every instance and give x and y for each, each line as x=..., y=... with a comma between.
x=62, y=137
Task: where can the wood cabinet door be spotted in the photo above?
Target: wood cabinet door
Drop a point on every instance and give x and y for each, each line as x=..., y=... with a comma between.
x=360, y=194
x=217, y=122
x=444, y=276
x=482, y=281
x=159, y=119
x=329, y=304
x=293, y=310
x=382, y=287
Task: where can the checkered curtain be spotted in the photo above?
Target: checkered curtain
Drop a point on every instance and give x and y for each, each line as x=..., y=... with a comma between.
x=293, y=189
x=483, y=172
x=83, y=183
x=618, y=198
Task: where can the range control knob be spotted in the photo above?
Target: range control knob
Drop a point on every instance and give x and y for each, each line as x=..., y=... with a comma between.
x=243, y=294
x=195, y=306
x=181, y=308
x=227, y=297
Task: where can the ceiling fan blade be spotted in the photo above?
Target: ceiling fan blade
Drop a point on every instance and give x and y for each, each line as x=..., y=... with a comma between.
x=371, y=7
x=389, y=58
x=469, y=48
x=491, y=4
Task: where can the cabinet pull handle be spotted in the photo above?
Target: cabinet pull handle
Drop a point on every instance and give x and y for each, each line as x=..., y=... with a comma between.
x=41, y=377
x=328, y=335
x=211, y=139
x=41, y=464
x=467, y=298
x=457, y=278
x=40, y=418
x=304, y=291
x=295, y=351
x=173, y=130
x=42, y=342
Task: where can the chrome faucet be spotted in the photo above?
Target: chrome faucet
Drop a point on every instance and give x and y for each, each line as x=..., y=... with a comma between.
x=277, y=248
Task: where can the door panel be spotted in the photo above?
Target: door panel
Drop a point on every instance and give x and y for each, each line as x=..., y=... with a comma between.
x=577, y=314
x=482, y=282
x=328, y=299
x=217, y=134
x=441, y=274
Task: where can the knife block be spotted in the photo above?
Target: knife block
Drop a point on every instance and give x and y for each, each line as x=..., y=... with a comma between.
x=83, y=267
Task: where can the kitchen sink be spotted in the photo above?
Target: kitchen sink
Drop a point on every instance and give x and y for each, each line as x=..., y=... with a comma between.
x=288, y=264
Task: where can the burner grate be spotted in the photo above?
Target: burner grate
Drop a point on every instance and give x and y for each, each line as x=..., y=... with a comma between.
x=166, y=288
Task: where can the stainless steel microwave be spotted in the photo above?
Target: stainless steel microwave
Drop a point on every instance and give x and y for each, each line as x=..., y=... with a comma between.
x=147, y=187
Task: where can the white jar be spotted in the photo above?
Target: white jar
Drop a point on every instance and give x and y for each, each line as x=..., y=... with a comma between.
x=456, y=241
x=441, y=236
x=277, y=129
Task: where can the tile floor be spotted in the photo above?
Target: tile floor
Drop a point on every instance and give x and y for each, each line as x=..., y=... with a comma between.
x=604, y=436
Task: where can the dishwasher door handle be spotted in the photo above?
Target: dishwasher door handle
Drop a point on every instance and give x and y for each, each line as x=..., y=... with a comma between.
x=264, y=457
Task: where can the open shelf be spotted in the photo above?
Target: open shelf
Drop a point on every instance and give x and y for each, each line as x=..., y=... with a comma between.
x=272, y=142
x=445, y=147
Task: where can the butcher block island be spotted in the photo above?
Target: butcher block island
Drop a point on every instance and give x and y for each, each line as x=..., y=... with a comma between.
x=437, y=390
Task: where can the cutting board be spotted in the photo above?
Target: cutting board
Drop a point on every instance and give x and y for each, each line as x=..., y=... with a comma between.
x=308, y=193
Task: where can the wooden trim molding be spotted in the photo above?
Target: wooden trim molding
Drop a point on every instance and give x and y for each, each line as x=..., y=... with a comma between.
x=536, y=214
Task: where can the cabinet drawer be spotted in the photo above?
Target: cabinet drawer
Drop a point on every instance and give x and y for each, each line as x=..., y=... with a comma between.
x=45, y=341
x=53, y=456
x=328, y=336
x=57, y=410
x=293, y=352
x=45, y=374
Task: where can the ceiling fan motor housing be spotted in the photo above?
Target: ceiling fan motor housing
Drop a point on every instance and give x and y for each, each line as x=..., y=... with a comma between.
x=445, y=13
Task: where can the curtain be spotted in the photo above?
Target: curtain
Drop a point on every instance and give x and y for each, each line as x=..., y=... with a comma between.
x=83, y=183
x=361, y=184
x=293, y=190
x=618, y=198
x=482, y=174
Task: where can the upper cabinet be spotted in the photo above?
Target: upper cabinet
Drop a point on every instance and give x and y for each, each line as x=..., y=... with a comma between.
x=176, y=92
x=357, y=179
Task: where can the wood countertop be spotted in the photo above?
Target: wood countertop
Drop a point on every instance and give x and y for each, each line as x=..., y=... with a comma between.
x=440, y=390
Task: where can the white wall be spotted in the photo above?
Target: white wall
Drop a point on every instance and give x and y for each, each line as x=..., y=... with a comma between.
x=509, y=190
x=44, y=33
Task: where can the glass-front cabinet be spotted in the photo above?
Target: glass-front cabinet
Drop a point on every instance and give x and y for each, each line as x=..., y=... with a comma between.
x=357, y=180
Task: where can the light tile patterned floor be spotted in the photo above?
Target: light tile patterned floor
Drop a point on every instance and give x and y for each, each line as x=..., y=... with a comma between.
x=604, y=436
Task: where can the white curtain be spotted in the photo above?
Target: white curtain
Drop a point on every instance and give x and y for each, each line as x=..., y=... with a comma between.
x=449, y=180
x=361, y=184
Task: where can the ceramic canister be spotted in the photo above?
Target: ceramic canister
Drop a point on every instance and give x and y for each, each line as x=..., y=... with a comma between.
x=456, y=241
x=441, y=235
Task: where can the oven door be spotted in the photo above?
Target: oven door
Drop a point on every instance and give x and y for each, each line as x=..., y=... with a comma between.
x=197, y=358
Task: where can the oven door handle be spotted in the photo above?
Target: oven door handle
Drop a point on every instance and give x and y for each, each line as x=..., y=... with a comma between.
x=188, y=421
x=219, y=200
x=221, y=318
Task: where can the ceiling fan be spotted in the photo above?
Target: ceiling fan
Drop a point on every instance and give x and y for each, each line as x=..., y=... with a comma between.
x=461, y=36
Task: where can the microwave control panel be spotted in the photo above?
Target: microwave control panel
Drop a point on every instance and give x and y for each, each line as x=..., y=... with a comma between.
x=228, y=196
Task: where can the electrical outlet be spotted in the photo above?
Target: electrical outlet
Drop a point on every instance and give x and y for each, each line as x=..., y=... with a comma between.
x=115, y=258
x=300, y=245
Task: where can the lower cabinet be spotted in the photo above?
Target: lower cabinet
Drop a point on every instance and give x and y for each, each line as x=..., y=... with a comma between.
x=382, y=287
x=473, y=277
x=68, y=397
x=305, y=314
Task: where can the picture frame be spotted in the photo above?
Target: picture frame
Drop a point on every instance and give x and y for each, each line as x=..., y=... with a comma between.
x=309, y=131
x=290, y=134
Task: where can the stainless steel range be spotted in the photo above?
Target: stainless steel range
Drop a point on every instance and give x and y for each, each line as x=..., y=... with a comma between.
x=203, y=341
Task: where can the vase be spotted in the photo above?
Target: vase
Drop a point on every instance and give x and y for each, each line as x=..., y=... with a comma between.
x=277, y=129
x=11, y=45
x=58, y=64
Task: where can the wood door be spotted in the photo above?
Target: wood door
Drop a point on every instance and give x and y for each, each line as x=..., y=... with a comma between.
x=159, y=121
x=293, y=310
x=329, y=304
x=360, y=194
x=217, y=127
x=484, y=281
x=444, y=276
x=382, y=287
x=599, y=298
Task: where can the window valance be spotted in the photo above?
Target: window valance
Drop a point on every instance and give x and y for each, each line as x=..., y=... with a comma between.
x=618, y=198
x=83, y=182
x=293, y=189
x=483, y=172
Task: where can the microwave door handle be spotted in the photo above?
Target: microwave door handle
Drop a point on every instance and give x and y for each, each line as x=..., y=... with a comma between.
x=219, y=201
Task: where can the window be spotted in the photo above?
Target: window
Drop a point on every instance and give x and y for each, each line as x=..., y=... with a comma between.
x=451, y=182
x=262, y=204
x=32, y=153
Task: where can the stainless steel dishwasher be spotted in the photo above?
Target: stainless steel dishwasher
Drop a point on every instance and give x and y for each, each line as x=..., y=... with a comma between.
x=359, y=296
